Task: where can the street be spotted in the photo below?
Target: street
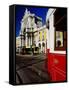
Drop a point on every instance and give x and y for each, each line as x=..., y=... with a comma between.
x=31, y=69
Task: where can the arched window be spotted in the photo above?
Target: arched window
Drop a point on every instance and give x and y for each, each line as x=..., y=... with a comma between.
x=43, y=44
x=39, y=45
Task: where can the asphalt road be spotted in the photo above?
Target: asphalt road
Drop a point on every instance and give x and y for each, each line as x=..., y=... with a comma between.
x=30, y=69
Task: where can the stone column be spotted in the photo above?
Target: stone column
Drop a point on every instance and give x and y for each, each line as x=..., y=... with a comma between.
x=26, y=39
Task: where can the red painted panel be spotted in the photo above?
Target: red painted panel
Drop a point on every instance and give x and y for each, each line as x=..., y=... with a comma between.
x=57, y=66
x=58, y=75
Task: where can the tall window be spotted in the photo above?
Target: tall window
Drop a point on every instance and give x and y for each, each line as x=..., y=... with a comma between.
x=43, y=35
x=60, y=40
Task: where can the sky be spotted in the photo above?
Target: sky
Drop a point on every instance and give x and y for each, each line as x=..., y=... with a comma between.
x=39, y=11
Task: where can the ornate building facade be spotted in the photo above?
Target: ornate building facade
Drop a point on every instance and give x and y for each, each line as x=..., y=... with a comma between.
x=32, y=34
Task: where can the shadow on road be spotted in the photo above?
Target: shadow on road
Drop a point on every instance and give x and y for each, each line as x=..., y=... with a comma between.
x=31, y=69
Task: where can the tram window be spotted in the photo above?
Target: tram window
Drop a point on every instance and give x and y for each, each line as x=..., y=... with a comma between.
x=60, y=40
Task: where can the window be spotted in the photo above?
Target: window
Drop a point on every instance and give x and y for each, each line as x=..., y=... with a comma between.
x=39, y=45
x=60, y=40
x=43, y=35
x=43, y=44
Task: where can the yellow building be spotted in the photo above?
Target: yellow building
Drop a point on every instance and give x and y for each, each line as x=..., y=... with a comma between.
x=40, y=38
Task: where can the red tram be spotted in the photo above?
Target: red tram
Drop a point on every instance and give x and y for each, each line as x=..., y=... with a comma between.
x=56, y=23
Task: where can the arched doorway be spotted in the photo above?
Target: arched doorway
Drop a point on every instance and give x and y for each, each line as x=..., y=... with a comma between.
x=39, y=48
x=43, y=47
